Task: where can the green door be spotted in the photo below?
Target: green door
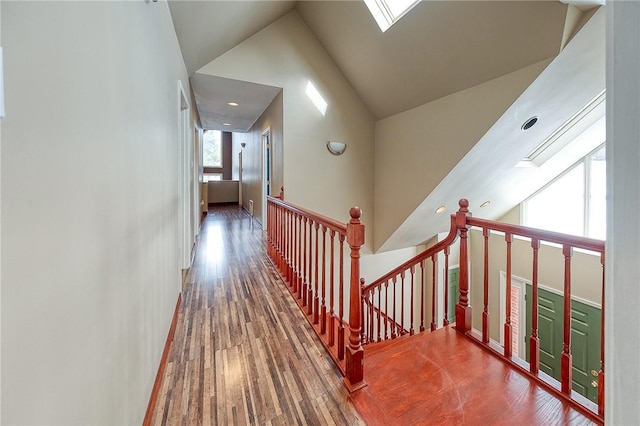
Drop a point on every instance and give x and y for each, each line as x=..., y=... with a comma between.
x=585, y=340
x=454, y=288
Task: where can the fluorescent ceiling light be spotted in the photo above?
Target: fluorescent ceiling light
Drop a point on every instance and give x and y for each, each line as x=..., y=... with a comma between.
x=233, y=104
x=316, y=98
x=388, y=12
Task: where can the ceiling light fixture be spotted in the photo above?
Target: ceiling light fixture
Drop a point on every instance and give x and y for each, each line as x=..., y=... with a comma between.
x=485, y=204
x=441, y=209
x=529, y=123
x=233, y=104
x=226, y=124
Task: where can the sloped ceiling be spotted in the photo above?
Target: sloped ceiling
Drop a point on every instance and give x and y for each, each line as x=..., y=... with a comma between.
x=438, y=48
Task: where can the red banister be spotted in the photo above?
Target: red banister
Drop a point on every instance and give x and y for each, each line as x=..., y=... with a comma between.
x=297, y=246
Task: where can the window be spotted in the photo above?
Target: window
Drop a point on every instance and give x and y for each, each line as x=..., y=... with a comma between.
x=208, y=177
x=388, y=12
x=574, y=202
x=212, y=149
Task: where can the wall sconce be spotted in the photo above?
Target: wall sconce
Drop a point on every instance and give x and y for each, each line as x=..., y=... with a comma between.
x=336, y=148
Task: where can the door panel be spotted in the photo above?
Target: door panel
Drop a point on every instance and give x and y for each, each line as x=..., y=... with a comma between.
x=454, y=289
x=585, y=339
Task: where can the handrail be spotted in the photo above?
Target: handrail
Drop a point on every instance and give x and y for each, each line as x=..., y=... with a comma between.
x=297, y=241
x=317, y=217
x=449, y=239
x=539, y=234
x=380, y=302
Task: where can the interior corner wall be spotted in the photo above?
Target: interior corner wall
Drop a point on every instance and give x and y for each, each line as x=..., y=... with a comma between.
x=90, y=274
x=227, y=155
x=286, y=54
x=416, y=149
x=252, y=156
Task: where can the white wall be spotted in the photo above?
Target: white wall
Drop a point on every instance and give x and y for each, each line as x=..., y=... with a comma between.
x=287, y=55
x=622, y=294
x=90, y=271
x=416, y=149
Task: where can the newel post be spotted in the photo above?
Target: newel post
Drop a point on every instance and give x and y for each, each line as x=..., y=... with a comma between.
x=354, y=361
x=463, y=310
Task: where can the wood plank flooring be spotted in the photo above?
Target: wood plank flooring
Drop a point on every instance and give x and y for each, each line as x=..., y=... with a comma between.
x=443, y=378
x=243, y=353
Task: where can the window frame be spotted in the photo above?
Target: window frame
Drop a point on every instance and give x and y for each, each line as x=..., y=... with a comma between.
x=587, y=201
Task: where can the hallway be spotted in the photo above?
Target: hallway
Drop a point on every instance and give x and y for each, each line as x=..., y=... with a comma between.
x=243, y=352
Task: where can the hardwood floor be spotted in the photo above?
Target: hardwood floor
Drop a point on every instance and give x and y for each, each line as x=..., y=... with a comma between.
x=443, y=378
x=243, y=353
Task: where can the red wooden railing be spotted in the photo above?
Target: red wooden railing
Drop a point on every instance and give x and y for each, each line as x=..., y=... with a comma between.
x=308, y=251
x=388, y=314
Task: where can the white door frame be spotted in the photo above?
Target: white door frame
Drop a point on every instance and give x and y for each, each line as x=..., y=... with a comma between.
x=265, y=140
x=185, y=203
x=521, y=285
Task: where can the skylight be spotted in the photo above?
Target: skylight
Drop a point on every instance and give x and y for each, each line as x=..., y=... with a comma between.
x=388, y=12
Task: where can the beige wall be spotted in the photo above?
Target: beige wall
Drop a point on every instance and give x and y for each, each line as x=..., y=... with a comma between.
x=416, y=149
x=287, y=55
x=90, y=273
x=252, y=156
x=586, y=273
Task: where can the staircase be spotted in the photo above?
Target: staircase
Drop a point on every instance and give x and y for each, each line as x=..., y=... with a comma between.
x=353, y=318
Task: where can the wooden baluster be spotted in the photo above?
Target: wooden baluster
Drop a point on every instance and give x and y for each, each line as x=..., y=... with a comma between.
x=300, y=266
x=289, y=248
x=316, y=298
x=565, y=357
x=463, y=310
x=341, y=300
x=323, y=309
x=294, y=252
x=507, y=315
x=332, y=316
x=394, y=323
x=304, y=264
x=371, y=331
x=309, y=295
x=434, y=326
x=485, y=310
x=386, y=310
x=354, y=368
x=402, y=303
x=379, y=313
x=411, y=331
x=445, y=321
x=601, y=372
x=278, y=229
x=534, y=340
x=422, y=264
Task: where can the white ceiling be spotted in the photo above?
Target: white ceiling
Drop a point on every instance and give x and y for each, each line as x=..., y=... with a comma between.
x=213, y=95
x=439, y=48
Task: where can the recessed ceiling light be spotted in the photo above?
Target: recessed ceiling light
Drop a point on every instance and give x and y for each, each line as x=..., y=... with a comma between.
x=226, y=124
x=529, y=123
x=441, y=209
x=233, y=104
x=485, y=204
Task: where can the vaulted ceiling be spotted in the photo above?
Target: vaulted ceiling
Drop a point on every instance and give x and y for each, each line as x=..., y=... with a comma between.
x=439, y=48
